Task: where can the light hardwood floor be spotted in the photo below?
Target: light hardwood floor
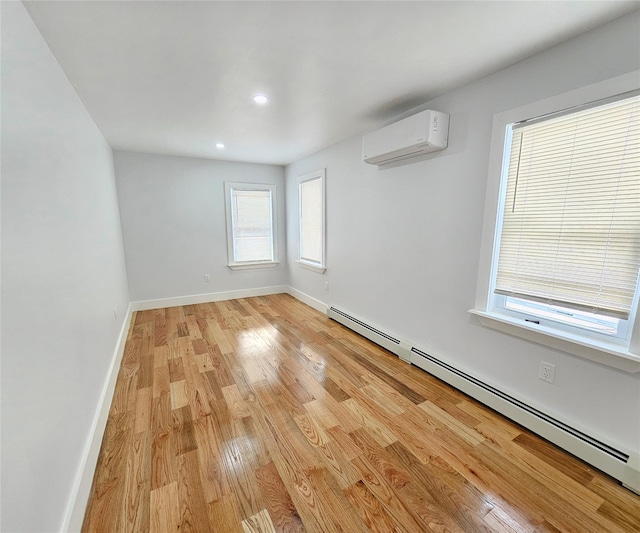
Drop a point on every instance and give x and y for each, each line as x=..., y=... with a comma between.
x=261, y=414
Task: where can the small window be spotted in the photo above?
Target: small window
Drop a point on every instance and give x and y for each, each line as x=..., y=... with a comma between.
x=251, y=225
x=568, y=230
x=311, y=220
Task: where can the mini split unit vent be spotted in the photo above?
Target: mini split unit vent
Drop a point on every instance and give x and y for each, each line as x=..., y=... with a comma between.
x=419, y=134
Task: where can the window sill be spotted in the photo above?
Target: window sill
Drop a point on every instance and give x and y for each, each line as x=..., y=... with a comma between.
x=312, y=267
x=248, y=266
x=600, y=352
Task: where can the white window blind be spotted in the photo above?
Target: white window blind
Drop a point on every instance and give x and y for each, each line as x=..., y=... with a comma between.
x=571, y=220
x=311, y=221
x=252, y=225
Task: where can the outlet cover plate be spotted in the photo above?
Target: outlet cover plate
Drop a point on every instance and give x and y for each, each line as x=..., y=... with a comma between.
x=547, y=372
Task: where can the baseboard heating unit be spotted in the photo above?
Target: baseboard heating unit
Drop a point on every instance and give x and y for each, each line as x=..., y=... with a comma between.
x=389, y=342
x=619, y=464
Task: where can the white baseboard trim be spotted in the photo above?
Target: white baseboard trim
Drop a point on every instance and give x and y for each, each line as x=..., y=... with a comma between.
x=145, y=305
x=74, y=514
x=309, y=300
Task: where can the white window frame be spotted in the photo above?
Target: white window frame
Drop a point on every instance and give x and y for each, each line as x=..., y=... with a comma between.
x=624, y=356
x=229, y=187
x=319, y=267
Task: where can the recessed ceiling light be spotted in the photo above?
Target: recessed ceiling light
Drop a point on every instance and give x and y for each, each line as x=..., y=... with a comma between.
x=260, y=99
x=219, y=146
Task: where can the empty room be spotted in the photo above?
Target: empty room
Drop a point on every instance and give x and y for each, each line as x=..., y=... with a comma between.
x=324, y=266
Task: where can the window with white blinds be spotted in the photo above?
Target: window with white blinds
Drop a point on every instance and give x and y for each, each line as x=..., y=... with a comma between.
x=250, y=223
x=570, y=220
x=311, y=214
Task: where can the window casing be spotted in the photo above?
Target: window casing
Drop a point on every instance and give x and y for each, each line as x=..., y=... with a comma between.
x=311, y=221
x=251, y=225
x=561, y=251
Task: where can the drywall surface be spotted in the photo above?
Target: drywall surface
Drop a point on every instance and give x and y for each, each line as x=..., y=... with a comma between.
x=174, y=225
x=403, y=243
x=63, y=273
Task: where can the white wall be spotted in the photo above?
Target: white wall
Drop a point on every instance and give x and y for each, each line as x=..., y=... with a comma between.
x=63, y=273
x=403, y=243
x=174, y=226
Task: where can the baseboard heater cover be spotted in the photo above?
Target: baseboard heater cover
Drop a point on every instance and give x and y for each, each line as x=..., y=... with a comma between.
x=373, y=334
x=561, y=425
x=618, y=464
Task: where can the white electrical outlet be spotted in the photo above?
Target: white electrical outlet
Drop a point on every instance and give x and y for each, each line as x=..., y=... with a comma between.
x=547, y=372
x=115, y=314
x=326, y=285
x=207, y=278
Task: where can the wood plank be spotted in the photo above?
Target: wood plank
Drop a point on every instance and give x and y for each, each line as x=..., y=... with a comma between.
x=332, y=388
x=459, y=499
x=556, y=480
x=176, y=370
x=165, y=516
x=258, y=523
x=108, y=484
x=558, y=508
x=240, y=472
x=143, y=409
x=161, y=382
x=332, y=498
x=160, y=356
x=182, y=433
x=501, y=522
x=322, y=414
x=225, y=515
x=235, y=402
x=370, y=509
x=345, y=442
x=179, y=394
x=161, y=419
x=199, y=402
x=467, y=434
x=624, y=501
x=393, y=473
x=214, y=481
x=338, y=465
x=145, y=372
x=124, y=396
x=311, y=430
x=136, y=498
x=384, y=493
x=163, y=465
x=160, y=328
x=367, y=419
x=576, y=470
x=275, y=495
x=193, y=512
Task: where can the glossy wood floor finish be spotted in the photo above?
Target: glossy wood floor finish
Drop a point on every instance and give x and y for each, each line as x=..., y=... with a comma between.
x=263, y=415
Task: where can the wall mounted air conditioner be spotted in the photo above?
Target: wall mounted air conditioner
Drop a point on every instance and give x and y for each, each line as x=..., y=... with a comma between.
x=416, y=135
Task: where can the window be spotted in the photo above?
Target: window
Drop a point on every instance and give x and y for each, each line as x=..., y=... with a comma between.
x=570, y=232
x=251, y=225
x=565, y=253
x=311, y=219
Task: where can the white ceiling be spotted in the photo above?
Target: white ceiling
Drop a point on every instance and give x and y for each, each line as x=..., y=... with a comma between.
x=175, y=77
